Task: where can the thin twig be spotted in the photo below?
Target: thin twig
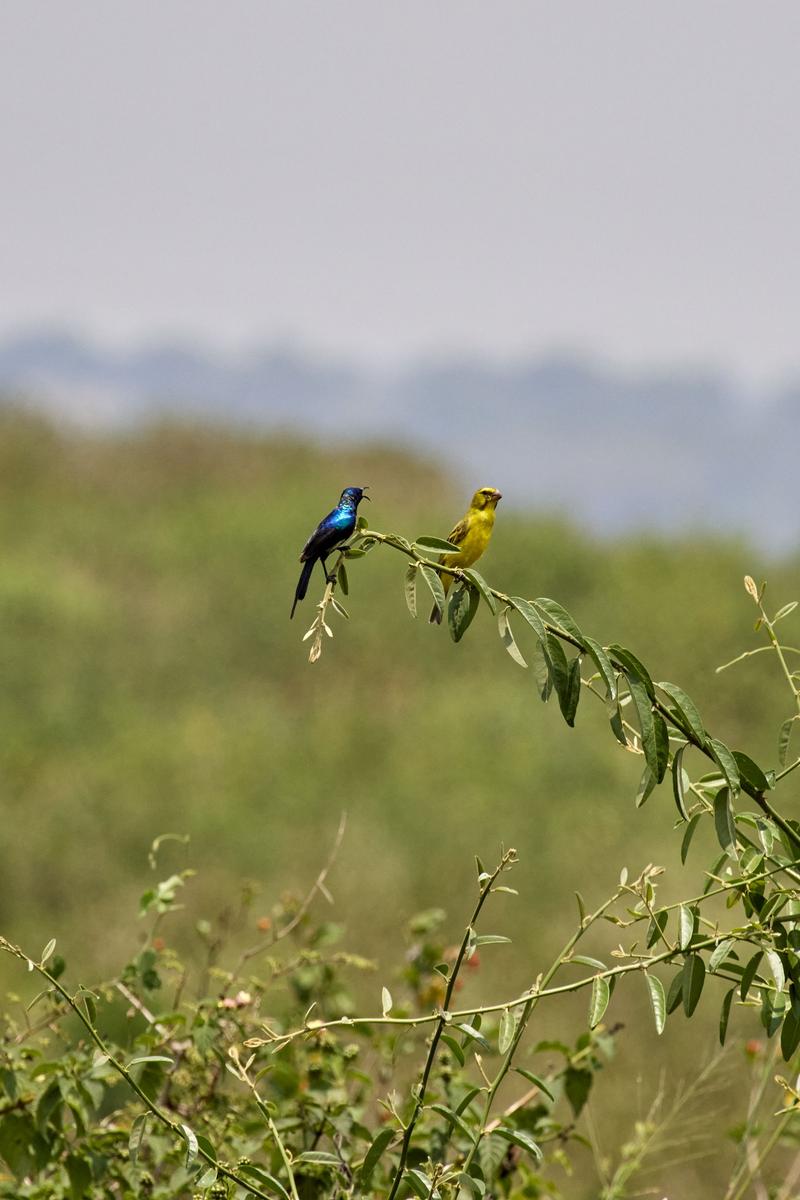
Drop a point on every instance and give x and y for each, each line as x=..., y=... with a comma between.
x=317, y=886
x=443, y=1017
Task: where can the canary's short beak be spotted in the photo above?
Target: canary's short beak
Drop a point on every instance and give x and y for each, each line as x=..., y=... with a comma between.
x=498, y=495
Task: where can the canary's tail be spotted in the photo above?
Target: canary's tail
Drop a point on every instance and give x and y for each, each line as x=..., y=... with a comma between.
x=302, y=584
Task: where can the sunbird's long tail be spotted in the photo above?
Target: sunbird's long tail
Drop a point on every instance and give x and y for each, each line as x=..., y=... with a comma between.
x=302, y=584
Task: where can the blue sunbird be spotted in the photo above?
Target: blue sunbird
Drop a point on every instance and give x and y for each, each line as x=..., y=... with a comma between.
x=471, y=535
x=331, y=533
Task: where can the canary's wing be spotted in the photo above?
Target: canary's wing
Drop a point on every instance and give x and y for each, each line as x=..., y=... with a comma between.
x=459, y=531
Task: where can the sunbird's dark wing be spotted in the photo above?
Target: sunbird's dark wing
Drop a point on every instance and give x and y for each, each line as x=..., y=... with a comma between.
x=333, y=529
x=330, y=533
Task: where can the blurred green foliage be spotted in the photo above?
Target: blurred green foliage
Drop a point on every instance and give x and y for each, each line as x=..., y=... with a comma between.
x=151, y=681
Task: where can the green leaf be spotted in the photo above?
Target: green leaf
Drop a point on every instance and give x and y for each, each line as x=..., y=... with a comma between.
x=658, y=1001
x=784, y=737
x=586, y=961
x=767, y=832
x=136, y=1136
x=784, y=612
x=572, y=692
x=694, y=976
x=475, y=1187
x=321, y=1157
x=344, y=583
x=461, y=608
x=150, y=1058
x=386, y=1001
x=454, y=1047
x=420, y=1184
x=688, y=835
x=773, y=1010
x=644, y=710
x=662, y=745
x=207, y=1148
x=678, y=789
x=453, y=1117
x=48, y=950
x=80, y=1176
x=191, y=1144
x=491, y=939
x=339, y=608
x=411, y=588
x=614, y=714
x=472, y=1035
x=480, y=583
x=543, y=678
x=726, y=763
x=687, y=710
x=603, y=664
x=17, y=1134
x=776, y=967
x=598, y=1002
x=536, y=1081
x=749, y=973
x=675, y=993
x=646, y=786
x=526, y=610
x=720, y=953
x=438, y=544
x=559, y=668
x=632, y=667
x=508, y=1026
x=467, y=1098
x=790, y=1033
x=725, y=1015
x=751, y=772
x=434, y=583
x=577, y=1085
x=724, y=822
x=518, y=1137
x=685, y=927
x=507, y=637
x=264, y=1177
x=558, y=615
x=658, y=923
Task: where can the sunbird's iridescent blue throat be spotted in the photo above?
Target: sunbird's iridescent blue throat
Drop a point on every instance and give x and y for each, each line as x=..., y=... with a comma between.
x=332, y=532
x=471, y=535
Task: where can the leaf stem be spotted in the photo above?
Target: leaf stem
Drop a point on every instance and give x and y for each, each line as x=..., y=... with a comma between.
x=443, y=1017
x=527, y=1012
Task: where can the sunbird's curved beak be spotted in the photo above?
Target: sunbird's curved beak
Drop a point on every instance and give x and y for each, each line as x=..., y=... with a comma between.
x=364, y=495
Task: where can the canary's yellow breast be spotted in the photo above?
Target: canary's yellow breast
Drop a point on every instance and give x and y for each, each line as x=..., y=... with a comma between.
x=479, y=524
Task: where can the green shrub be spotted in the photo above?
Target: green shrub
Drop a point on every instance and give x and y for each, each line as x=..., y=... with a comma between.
x=263, y=1077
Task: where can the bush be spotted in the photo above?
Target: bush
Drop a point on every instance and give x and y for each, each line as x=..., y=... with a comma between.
x=188, y=1077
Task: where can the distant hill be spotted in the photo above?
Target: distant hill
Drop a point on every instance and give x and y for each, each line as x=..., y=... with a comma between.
x=615, y=450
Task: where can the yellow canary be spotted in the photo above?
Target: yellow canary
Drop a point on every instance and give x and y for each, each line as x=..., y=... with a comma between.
x=471, y=535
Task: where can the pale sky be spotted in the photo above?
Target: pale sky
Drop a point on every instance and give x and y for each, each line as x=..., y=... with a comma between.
x=389, y=180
